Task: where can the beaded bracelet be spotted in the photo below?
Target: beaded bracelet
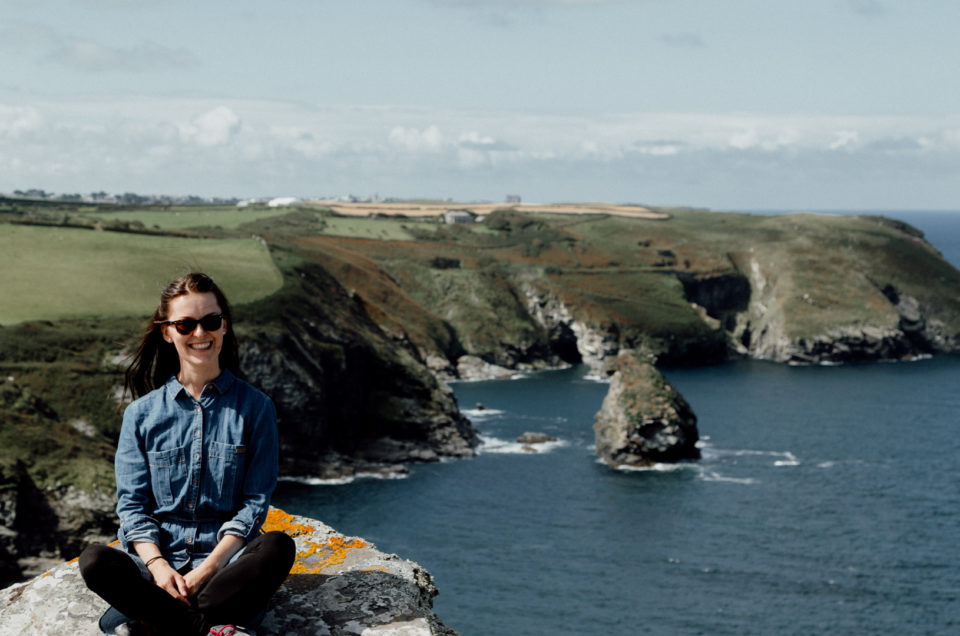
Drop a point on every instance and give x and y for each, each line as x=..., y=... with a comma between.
x=151, y=560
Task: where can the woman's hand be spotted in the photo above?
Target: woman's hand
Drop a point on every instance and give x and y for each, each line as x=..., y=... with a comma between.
x=169, y=579
x=196, y=578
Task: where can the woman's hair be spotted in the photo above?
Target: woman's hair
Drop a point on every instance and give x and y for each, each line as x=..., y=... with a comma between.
x=156, y=359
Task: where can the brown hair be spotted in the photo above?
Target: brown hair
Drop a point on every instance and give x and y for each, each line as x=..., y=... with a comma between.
x=156, y=360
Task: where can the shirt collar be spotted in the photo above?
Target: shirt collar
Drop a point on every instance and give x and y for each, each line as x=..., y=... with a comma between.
x=222, y=383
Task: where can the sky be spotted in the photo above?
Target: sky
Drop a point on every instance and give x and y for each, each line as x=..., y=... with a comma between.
x=725, y=104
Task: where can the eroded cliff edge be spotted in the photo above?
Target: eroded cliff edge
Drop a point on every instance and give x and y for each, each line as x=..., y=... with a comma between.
x=352, y=346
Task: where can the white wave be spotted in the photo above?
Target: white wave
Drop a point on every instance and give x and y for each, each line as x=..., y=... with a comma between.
x=785, y=458
x=387, y=475
x=826, y=464
x=341, y=481
x=511, y=447
x=319, y=481
x=653, y=468
x=714, y=476
x=599, y=379
x=480, y=414
x=789, y=459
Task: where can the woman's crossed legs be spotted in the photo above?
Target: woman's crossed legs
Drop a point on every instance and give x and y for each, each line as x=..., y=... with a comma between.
x=234, y=594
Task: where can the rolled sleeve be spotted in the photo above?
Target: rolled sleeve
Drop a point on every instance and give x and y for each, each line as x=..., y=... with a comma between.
x=260, y=477
x=134, y=496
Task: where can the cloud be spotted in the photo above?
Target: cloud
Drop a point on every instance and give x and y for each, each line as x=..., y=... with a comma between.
x=683, y=40
x=84, y=54
x=87, y=55
x=213, y=128
x=412, y=140
x=475, y=141
x=255, y=148
x=16, y=121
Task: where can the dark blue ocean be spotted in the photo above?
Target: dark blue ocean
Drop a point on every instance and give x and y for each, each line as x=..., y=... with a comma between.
x=827, y=502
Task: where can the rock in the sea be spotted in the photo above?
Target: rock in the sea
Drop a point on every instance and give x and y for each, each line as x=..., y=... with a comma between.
x=475, y=368
x=535, y=438
x=338, y=585
x=643, y=419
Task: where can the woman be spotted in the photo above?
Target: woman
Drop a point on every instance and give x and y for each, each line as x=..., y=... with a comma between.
x=196, y=464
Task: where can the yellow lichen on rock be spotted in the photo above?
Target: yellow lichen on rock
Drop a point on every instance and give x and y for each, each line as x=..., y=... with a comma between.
x=284, y=522
x=318, y=556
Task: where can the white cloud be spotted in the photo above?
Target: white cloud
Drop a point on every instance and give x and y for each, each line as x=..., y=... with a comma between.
x=18, y=120
x=163, y=145
x=213, y=128
x=412, y=140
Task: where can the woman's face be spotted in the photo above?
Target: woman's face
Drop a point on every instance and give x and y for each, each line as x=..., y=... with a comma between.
x=199, y=348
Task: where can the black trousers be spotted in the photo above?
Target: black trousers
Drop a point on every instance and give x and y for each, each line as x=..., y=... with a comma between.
x=235, y=594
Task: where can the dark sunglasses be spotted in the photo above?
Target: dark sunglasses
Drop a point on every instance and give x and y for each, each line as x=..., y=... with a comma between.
x=186, y=326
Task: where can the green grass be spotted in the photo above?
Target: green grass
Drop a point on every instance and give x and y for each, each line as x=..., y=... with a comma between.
x=52, y=273
x=380, y=229
x=182, y=218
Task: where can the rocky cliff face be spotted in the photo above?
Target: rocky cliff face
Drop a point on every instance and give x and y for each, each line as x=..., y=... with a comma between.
x=853, y=319
x=347, y=396
x=338, y=585
x=643, y=419
x=349, y=399
x=574, y=340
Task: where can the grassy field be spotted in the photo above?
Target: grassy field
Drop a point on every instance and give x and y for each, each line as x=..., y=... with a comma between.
x=186, y=217
x=53, y=273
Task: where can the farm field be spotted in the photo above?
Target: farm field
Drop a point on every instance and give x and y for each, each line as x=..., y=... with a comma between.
x=181, y=218
x=436, y=209
x=52, y=273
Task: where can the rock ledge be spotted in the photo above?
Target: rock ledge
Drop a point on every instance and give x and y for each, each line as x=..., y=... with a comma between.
x=338, y=586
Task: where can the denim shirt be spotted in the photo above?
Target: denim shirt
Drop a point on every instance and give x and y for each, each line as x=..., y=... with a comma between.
x=189, y=472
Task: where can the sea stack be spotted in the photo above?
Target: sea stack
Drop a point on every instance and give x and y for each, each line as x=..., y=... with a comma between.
x=643, y=419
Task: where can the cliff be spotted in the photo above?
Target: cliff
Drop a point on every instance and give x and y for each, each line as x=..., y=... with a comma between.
x=338, y=585
x=524, y=291
x=349, y=398
x=368, y=318
x=643, y=419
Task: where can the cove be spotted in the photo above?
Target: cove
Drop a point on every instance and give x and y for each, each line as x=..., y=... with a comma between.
x=825, y=502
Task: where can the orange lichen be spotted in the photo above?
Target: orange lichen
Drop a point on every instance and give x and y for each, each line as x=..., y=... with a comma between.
x=279, y=520
x=379, y=568
x=318, y=556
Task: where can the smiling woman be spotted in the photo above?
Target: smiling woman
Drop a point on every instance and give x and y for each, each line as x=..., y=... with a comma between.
x=54, y=273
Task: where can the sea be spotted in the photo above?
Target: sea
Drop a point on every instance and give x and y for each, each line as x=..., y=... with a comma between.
x=827, y=501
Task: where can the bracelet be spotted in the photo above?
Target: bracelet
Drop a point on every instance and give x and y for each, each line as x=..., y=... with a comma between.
x=152, y=559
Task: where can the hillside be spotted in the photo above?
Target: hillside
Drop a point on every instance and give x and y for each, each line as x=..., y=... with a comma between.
x=348, y=321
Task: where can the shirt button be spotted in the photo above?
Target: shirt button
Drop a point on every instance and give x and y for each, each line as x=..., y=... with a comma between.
x=189, y=540
x=197, y=434
x=196, y=457
x=198, y=408
x=189, y=505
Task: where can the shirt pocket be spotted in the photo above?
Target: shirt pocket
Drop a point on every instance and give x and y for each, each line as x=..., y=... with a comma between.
x=226, y=471
x=168, y=473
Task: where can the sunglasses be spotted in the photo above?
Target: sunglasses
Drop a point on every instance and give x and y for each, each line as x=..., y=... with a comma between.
x=186, y=326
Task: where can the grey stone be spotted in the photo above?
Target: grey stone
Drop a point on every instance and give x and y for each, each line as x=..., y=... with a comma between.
x=643, y=419
x=338, y=586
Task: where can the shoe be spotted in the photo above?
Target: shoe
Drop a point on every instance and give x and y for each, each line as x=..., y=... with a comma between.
x=133, y=628
x=229, y=630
